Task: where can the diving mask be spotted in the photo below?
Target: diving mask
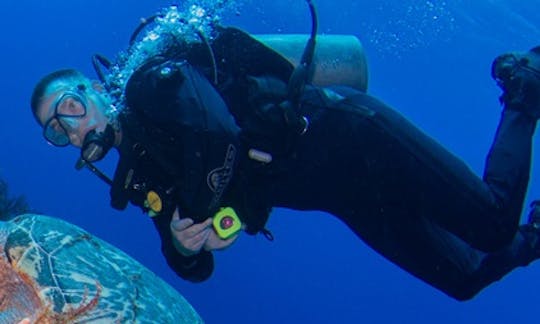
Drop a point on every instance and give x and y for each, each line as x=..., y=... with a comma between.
x=69, y=108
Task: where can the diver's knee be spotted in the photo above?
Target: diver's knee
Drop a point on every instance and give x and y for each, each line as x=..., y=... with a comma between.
x=495, y=239
x=463, y=291
x=503, y=237
x=464, y=295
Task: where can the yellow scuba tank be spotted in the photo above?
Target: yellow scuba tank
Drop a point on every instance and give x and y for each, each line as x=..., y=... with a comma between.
x=339, y=59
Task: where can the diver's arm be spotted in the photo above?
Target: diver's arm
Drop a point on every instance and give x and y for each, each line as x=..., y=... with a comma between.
x=195, y=268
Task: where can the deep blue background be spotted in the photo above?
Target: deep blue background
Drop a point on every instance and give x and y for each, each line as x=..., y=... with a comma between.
x=429, y=59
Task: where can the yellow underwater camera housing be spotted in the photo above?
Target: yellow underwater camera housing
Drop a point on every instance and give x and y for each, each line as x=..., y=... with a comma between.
x=338, y=59
x=226, y=223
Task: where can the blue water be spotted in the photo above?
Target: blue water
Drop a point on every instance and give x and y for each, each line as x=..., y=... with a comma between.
x=429, y=59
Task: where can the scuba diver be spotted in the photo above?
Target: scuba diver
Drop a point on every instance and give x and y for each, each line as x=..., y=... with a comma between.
x=216, y=129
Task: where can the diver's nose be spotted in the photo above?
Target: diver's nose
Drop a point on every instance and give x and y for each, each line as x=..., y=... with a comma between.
x=74, y=139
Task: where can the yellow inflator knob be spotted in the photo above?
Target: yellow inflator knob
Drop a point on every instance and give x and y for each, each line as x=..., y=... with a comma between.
x=153, y=201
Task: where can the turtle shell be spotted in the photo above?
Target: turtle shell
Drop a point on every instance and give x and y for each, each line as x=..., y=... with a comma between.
x=55, y=272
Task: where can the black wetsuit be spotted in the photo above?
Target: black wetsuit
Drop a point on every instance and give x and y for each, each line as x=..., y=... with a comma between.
x=399, y=190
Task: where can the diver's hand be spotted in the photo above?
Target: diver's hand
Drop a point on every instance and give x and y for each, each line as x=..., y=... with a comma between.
x=25, y=321
x=189, y=238
x=214, y=242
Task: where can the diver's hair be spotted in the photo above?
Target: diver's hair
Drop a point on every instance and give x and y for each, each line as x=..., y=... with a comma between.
x=40, y=90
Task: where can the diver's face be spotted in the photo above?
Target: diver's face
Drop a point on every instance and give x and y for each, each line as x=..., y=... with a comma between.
x=67, y=115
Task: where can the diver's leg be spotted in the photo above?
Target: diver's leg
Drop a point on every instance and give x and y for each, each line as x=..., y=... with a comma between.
x=425, y=209
x=522, y=250
x=508, y=166
x=483, y=212
x=444, y=261
x=508, y=162
x=402, y=168
x=432, y=208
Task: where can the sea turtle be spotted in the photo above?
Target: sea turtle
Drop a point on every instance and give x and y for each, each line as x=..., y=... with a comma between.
x=54, y=272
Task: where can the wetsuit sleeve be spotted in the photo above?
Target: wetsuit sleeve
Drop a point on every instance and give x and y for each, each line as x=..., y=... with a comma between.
x=195, y=268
